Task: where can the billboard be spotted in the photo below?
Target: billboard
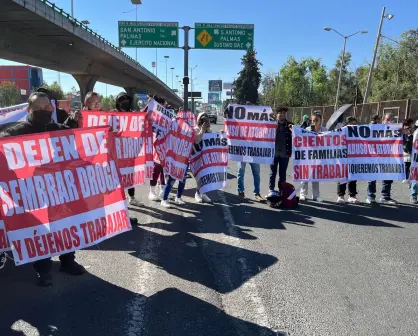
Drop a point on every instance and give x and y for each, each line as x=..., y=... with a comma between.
x=215, y=85
x=194, y=94
x=228, y=86
x=214, y=97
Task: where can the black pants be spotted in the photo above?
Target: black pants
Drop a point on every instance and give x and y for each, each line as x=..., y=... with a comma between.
x=45, y=265
x=282, y=163
x=352, y=189
x=131, y=192
x=407, y=169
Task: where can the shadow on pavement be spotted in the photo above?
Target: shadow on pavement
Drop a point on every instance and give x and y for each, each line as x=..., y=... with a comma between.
x=185, y=315
x=357, y=214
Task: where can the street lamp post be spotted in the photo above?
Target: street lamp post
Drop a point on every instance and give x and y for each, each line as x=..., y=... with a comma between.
x=337, y=98
x=191, y=75
x=172, y=77
x=166, y=68
x=376, y=47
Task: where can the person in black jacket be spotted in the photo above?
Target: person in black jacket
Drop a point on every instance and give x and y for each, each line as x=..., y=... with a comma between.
x=40, y=120
x=283, y=148
x=63, y=118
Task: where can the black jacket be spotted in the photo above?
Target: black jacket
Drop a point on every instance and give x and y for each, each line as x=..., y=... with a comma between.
x=288, y=137
x=30, y=127
x=66, y=119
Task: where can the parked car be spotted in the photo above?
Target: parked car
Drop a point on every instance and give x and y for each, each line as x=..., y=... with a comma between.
x=213, y=118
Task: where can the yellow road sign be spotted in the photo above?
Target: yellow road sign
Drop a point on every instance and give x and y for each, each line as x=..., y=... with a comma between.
x=204, y=37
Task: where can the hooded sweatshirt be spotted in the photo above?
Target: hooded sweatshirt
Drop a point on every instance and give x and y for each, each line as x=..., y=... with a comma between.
x=120, y=95
x=199, y=131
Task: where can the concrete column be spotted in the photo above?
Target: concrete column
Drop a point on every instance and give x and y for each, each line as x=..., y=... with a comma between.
x=131, y=92
x=86, y=84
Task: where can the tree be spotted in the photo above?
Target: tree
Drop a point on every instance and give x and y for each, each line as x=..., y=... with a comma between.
x=9, y=94
x=249, y=79
x=348, y=87
x=108, y=103
x=56, y=88
x=268, y=86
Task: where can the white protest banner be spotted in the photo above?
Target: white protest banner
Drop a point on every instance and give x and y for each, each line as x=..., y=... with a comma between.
x=133, y=143
x=4, y=242
x=375, y=152
x=161, y=117
x=13, y=114
x=60, y=192
x=188, y=116
x=209, y=162
x=251, y=133
x=179, y=143
x=319, y=157
x=413, y=173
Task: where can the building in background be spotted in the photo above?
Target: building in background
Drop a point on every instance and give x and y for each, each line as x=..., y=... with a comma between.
x=26, y=78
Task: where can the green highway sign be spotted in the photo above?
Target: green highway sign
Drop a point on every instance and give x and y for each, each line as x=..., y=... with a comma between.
x=138, y=34
x=224, y=36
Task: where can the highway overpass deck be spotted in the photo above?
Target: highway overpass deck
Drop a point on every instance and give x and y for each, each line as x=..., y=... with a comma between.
x=37, y=32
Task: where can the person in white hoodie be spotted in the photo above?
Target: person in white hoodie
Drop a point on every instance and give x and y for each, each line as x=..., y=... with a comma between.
x=202, y=127
x=316, y=121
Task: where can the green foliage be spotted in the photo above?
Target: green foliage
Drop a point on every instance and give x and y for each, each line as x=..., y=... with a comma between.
x=56, y=88
x=249, y=79
x=108, y=103
x=9, y=94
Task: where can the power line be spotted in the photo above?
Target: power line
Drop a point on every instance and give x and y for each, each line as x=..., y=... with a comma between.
x=400, y=43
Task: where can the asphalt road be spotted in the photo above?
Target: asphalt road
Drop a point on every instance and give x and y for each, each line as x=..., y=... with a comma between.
x=234, y=268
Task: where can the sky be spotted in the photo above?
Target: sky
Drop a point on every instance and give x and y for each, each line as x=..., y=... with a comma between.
x=282, y=29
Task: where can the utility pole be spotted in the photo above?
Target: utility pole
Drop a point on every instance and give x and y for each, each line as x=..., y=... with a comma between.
x=337, y=98
x=172, y=77
x=166, y=69
x=376, y=47
x=136, y=20
x=186, y=49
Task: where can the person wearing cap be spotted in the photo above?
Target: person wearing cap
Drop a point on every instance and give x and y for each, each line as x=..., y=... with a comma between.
x=352, y=185
x=306, y=121
x=386, y=184
x=124, y=104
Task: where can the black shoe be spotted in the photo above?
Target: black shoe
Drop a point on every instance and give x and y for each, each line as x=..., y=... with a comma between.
x=73, y=268
x=44, y=279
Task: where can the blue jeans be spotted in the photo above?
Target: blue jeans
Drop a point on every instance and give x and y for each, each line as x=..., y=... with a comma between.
x=386, y=189
x=169, y=186
x=414, y=189
x=255, y=168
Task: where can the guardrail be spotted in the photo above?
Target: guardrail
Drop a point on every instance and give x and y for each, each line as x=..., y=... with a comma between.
x=102, y=39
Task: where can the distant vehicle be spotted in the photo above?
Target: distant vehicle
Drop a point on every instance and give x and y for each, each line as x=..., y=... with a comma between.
x=213, y=117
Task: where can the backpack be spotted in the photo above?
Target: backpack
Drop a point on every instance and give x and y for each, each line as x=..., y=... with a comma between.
x=288, y=189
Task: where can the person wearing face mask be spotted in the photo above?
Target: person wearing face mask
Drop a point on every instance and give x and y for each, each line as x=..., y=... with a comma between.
x=92, y=101
x=124, y=104
x=386, y=184
x=352, y=185
x=40, y=120
x=316, y=121
x=63, y=118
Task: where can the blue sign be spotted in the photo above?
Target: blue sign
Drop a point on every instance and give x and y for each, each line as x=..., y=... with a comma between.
x=142, y=96
x=214, y=97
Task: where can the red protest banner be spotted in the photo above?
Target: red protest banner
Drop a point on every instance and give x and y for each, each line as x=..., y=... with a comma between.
x=179, y=143
x=188, y=117
x=133, y=143
x=60, y=192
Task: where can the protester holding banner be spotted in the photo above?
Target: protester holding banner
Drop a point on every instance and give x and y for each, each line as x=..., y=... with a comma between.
x=124, y=104
x=202, y=127
x=386, y=184
x=92, y=101
x=40, y=120
x=283, y=148
x=316, y=121
x=352, y=185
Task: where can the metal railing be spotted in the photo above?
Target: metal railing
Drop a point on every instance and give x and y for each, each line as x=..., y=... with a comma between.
x=102, y=39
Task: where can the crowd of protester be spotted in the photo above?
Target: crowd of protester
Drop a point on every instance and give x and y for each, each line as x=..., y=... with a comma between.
x=40, y=120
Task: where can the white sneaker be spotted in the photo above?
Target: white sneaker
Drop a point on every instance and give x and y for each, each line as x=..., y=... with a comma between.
x=206, y=198
x=3, y=259
x=198, y=198
x=165, y=204
x=179, y=201
x=370, y=200
x=133, y=201
x=302, y=198
x=353, y=200
x=341, y=200
x=152, y=196
x=317, y=199
x=387, y=201
x=405, y=181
